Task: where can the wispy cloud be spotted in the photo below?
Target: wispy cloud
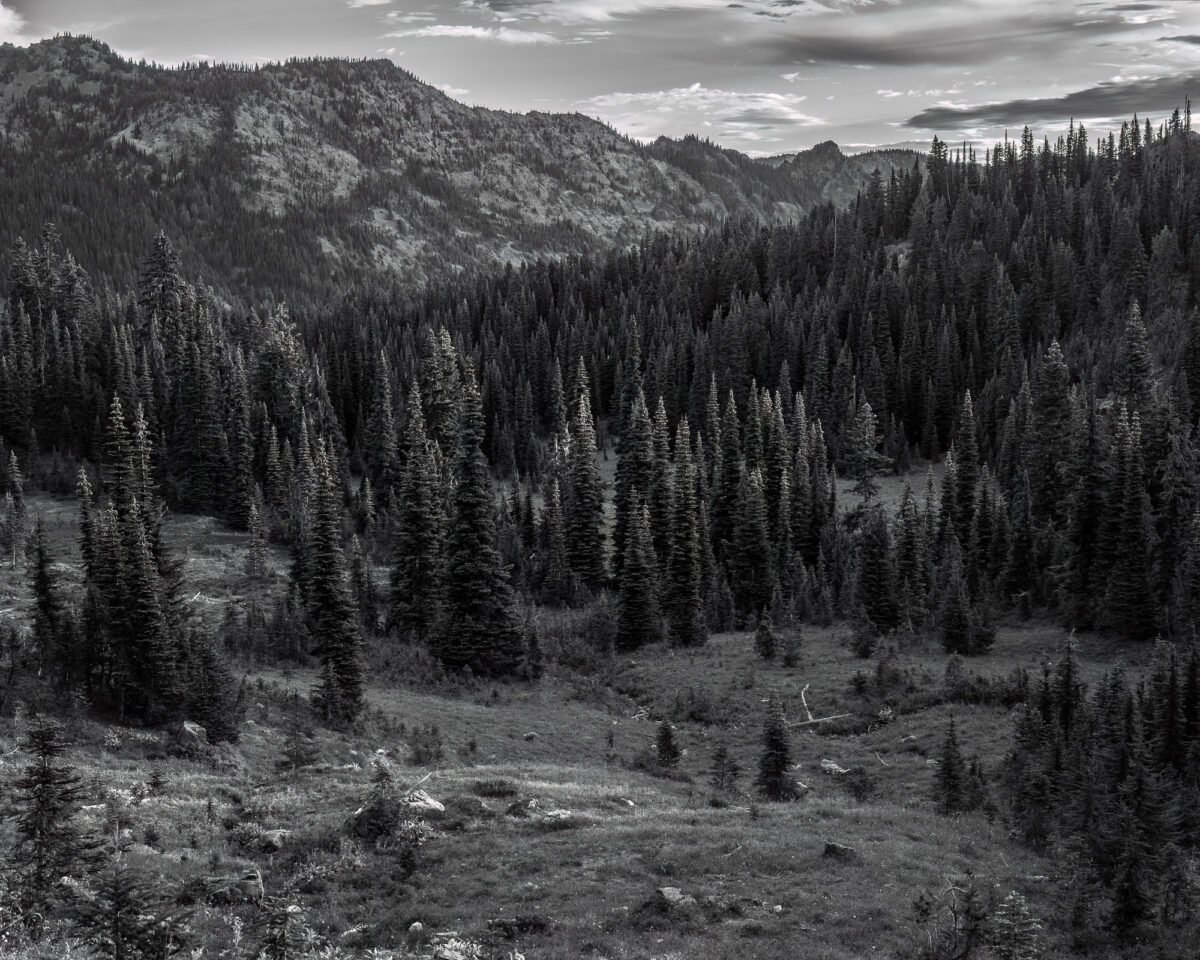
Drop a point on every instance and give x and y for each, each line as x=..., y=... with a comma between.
x=952, y=40
x=1104, y=101
x=591, y=11
x=367, y=3
x=497, y=34
x=745, y=115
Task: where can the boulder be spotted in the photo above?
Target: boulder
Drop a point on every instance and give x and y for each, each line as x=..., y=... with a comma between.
x=839, y=851
x=188, y=730
x=419, y=805
x=415, y=936
x=560, y=820
x=188, y=740
x=272, y=841
x=833, y=768
x=521, y=808
x=671, y=903
x=530, y=736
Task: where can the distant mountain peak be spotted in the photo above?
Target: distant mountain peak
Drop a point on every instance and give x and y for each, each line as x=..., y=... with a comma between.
x=352, y=169
x=826, y=148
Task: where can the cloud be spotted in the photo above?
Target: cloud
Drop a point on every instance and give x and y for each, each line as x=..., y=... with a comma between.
x=740, y=113
x=12, y=26
x=497, y=34
x=590, y=11
x=1105, y=101
x=355, y=4
x=953, y=41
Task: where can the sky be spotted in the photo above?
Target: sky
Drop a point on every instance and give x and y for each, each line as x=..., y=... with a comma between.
x=761, y=76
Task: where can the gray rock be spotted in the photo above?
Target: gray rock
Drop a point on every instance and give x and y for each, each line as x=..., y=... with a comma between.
x=415, y=936
x=272, y=841
x=839, y=851
x=671, y=903
x=419, y=805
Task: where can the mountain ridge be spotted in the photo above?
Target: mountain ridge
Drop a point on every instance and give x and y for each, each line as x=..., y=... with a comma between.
x=350, y=170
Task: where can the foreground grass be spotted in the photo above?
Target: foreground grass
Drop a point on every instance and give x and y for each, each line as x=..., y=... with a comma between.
x=574, y=743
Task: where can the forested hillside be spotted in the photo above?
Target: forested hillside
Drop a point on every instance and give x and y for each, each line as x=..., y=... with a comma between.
x=437, y=465
x=299, y=180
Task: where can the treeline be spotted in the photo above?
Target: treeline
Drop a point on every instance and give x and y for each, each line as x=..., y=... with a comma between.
x=1027, y=319
x=1112, y=777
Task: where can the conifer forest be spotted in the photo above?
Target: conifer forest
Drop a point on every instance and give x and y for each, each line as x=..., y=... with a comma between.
x=811, y=585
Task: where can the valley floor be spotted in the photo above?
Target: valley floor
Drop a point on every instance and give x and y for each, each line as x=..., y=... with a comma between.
x=514, y=753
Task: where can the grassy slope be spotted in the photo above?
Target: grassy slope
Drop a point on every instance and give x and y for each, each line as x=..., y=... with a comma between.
x=589, y=880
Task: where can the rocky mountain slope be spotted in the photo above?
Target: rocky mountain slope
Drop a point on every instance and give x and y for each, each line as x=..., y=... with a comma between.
x=305, y=177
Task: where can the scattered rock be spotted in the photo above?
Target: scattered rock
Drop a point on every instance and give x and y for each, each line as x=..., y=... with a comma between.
x=385, y=813
x=778, y=908
x=531, y=736
x=561, y=820
x=192, y=731
x=188, y=740
x=450, y=946
x=521, y=808
x=670, y=904
x=415, y=935
x=272, y=841
x=419, y=805
x=833, y=769
x=839, y=851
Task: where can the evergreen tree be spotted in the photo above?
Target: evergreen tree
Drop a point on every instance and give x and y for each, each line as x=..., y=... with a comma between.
x=1014, y=931
x=332, y=619
x=862, y=459
x=49, y=844
x=950, y=790
x=682, y=600
x=877, y=573
x=126, y=918
x=635, y=471
x=666, y=750
x=724, y=773
x=480, y=629
x=1129, y=600
x=417, y=587
x=637, y=599
x=584, y=508
x=774, y=780
x=765, y=641
x=750, y=568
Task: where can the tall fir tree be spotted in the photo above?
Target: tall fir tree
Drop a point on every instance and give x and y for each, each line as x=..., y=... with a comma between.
x=480, y=629
x=417, y=582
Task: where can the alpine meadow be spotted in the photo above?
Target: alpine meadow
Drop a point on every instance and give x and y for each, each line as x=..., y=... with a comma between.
x=479, y=533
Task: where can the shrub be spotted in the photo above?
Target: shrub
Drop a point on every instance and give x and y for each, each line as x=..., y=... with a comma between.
x=425, y=745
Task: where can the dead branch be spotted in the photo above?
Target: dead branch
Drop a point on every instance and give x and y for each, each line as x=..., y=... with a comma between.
x=805, y=723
